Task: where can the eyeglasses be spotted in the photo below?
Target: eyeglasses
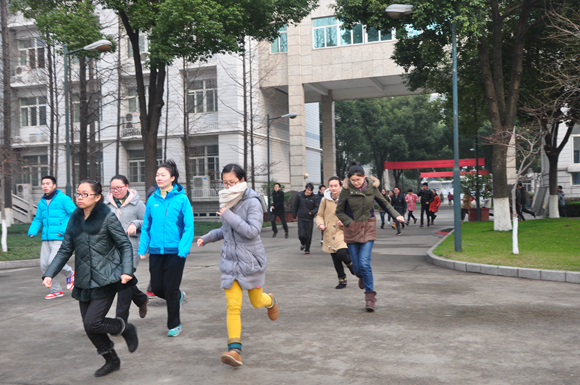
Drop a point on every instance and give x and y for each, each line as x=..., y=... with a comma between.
x=230, y=184
x=83, y=195
x=115, y=189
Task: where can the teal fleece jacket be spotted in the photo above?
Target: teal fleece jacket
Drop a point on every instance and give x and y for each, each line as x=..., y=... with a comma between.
x=53, y=217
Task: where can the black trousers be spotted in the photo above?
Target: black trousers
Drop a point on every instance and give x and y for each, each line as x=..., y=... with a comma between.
x=463, y=213
x=562, y=211
x=425, y=209
x=166, y=273
x=281, y=215
x=520, y=210
x=97, y=326
x=305, y=227
x=410, y=216
x=341, y=256
x=124, y=299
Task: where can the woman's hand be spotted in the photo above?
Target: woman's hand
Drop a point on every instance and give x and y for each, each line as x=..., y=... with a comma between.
x=401, y=218
x=222, y=210
x=125, y=278
x=132, y=230
x=142, y=256
x=339, y=223
x=47, y=281
x=200, y=242
x=321, y=227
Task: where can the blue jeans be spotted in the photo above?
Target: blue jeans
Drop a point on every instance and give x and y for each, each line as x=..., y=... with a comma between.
x=360, y=254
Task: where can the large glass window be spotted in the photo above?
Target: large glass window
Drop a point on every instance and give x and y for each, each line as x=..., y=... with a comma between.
x=33, y=111
x=34, y=168
x=204, y=161
x=374, y=34
x=576, y=144
x=137, y=164
x=281, y=42
x=76, y=108
x=325, y=32
x=576, y=178
x=202, y=96
x=31, y=52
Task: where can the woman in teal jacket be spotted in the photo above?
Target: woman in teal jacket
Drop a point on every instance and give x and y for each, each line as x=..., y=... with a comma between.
x=167, y=233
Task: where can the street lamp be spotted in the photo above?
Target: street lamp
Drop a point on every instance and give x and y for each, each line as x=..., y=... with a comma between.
x=100, y=46
x=291, y=115
x=396, y=11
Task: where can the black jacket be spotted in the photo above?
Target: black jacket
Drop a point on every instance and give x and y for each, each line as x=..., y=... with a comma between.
x=305, y=207
x=278, y=201
x=102, y=253
x=426, y=196
x=399, y=203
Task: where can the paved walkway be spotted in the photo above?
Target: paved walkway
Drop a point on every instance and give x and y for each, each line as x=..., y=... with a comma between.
x=432, y=325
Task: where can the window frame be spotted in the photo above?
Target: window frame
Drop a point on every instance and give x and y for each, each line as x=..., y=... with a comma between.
x=33, y=170
x=340, y=32
x=136, y=161
x=36, y=114
x=194, y=93
x=281, y=42
x=209, y=156
x=32, y=54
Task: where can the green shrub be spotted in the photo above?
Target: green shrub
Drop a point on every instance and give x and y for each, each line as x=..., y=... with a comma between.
x=573, y=209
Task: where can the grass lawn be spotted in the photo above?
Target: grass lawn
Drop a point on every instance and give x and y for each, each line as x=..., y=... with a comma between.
x=543, y=243
x=20, y=246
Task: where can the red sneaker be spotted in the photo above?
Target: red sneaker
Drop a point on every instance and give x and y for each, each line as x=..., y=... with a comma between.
x=150, y=294
x=54, y=295
x=70, y=281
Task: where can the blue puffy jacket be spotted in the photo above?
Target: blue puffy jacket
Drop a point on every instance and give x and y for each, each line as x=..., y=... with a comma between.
x=53, y=218
x=168, y=224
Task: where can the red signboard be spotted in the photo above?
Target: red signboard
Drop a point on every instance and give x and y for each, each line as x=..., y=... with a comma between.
x=469, y=162
x=443, y=174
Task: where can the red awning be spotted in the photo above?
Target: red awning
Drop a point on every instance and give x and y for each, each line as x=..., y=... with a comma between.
x=443, y=174
x=469, y=162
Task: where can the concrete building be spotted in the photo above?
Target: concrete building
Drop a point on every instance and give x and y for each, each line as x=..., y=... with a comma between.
x=305, y=70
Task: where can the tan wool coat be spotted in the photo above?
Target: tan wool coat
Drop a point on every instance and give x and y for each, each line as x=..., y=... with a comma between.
x=333, y=238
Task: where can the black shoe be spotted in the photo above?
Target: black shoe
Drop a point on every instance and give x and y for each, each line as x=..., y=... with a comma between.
x=301, y=247
x=407, y=223
x=341, y=285
x=534, y=214
x=415, y=219
x=286, y=235
x=421, y=226
x=130, y=336
x=307, y=252
x=274, y=234
x=113, y=364
x=382, y=225
x=399, y=233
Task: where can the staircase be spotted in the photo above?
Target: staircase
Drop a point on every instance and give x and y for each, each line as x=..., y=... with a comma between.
x=22, y=210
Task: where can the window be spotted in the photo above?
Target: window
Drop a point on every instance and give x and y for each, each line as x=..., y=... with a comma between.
x=202, y=96
x=374, y=34
x=576, y=149
x=132, y=99
x=76, y=107
x=33, y=111
x=137, y=164
x=34, y=168
x=325, y=32
x=281, y=42
x=328, y=32
x=204, y=161
x=143, y=45
x=31, y=53
x=99, y=168
x=576, y=178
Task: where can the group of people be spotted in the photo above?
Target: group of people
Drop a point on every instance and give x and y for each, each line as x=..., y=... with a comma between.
x=110, y=233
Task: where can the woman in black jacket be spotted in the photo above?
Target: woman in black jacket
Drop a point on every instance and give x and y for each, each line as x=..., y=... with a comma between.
x=104, y=266
x=278, y=210
x=400, y=205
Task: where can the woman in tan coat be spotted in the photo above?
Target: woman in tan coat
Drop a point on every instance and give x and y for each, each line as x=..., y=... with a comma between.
x=333, y=236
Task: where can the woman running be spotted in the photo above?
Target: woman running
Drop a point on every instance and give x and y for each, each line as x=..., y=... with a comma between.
x=243, y=258
x=104, y=267
x=434, y=206
x=129, y=209
x=328, y=222
x=168, y=234
x=400, y=205
x=355, y=210
x=412, y=200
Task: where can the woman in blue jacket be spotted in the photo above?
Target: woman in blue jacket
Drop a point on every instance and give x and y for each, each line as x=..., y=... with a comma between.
x=167, y=233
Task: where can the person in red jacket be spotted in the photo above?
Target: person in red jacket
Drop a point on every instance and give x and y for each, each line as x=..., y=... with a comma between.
x=434, y=206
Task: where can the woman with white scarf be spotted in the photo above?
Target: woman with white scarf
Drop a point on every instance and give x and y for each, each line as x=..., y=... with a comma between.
x=243, y=258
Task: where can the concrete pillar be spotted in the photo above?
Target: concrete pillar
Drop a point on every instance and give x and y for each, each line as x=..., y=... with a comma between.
x=328, y=138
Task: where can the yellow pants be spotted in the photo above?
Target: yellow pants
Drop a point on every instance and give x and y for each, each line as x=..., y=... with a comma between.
x=234, y=299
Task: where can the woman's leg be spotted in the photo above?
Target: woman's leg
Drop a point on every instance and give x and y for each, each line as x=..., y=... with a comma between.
x=258, y=299
x=364, y=256
x=97, y=326
x=172, y=275
x=337, y=261
x=353, y=249
x=156, y=269
x=382, y=220
x=233, y=319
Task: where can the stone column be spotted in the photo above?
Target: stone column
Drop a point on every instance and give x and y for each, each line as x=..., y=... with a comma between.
x=328, y=138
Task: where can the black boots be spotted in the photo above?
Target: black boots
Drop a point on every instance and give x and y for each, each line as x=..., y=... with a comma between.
x=370, y=300
x=112, y=364
x=341, y=283
x=130, y=336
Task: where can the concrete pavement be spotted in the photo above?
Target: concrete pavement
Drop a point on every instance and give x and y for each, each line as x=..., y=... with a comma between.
x=431, y=326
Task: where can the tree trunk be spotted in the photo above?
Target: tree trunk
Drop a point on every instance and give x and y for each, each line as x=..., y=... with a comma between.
x=84, y=119
x=92, y=114
x=188, y=173
x=119, y=85
x=7, y=122
x=245, y=98
x=51, y=92
x=553, y=184
x=252, y=120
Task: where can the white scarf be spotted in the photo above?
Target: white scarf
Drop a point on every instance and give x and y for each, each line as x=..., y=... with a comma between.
x=229, y=197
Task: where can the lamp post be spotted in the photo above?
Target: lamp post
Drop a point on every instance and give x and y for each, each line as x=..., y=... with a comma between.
x=291, y=115
x=396, y=11
x=101, y=46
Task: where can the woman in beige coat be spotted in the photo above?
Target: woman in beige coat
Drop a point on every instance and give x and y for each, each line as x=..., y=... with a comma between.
x=333, y=236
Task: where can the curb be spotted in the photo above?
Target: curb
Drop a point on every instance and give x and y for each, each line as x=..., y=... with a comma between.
x=5, y=265
x=503, y=271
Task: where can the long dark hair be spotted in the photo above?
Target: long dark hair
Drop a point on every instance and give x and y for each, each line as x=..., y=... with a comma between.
x=170, y=166
x=354, y=168
x=239, y=171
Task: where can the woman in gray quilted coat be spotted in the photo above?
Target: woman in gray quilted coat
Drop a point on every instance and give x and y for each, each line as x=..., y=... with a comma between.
x=243, y=258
